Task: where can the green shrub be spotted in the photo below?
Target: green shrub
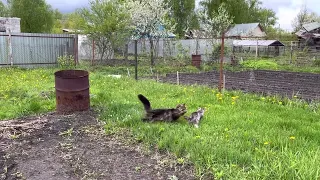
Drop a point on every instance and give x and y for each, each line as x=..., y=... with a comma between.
x=260, y=64
x=66, y=62
x=316, y=62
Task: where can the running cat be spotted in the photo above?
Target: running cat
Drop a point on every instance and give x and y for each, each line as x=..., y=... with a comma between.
x=169, y=114
x=195, y=117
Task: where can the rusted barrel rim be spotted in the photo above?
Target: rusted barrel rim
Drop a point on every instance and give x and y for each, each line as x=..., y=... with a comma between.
x=66, y=74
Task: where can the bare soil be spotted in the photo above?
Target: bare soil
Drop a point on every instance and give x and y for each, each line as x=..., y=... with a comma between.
x=58, y=147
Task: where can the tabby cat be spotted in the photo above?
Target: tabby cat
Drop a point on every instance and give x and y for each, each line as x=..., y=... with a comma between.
x=169, y=114
x=195, y=117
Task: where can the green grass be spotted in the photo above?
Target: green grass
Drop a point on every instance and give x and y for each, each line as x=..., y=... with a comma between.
x=242, y=136
x=273, y=64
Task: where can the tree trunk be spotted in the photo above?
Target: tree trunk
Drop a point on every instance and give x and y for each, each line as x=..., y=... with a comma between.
x=126, y=52
x=151, y=52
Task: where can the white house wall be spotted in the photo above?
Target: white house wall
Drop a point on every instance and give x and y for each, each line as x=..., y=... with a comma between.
x=12, y=24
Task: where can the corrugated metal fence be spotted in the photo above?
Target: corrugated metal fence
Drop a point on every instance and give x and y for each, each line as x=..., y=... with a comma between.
x=35, y=49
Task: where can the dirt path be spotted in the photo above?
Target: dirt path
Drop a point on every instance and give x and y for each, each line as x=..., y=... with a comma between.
x=58, y=147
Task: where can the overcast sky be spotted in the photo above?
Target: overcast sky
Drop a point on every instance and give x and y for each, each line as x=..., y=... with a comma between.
x=286, y=9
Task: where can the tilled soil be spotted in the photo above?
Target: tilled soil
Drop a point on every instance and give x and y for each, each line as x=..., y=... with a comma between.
x=58, y=147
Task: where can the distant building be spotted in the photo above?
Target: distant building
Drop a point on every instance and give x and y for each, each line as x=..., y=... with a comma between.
x=309, y=34
x=236, y=31
x=246, y=31
x=8, y=23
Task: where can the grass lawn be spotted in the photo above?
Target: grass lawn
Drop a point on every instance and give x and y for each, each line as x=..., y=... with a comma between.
x=242, y=136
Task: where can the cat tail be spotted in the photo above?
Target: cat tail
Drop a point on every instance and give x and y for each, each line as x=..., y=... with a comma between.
x=145, y=102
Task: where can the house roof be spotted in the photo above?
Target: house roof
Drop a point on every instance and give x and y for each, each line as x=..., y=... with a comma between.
x=242, y=30
x=311, y=26
x=301, y=32
x=254, y=43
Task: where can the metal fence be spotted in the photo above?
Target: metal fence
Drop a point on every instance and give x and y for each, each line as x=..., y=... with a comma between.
x=35, y=49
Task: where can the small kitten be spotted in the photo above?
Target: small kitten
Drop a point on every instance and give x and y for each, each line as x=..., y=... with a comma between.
x=169, y=114
x=195, y=117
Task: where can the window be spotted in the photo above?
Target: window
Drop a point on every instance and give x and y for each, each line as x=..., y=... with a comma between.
x=2, y=29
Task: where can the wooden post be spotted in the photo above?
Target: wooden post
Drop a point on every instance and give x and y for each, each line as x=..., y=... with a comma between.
x=221, y=63
x=136, y=58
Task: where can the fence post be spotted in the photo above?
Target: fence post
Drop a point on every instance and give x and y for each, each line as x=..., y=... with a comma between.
x=93, y=44
x=257, y=50
x=224, y=82
x=128, y=72
x=157, y=77
x=126, y=47
x=136, y=58
x=291, y=51
x=10, y=48
x=75, y=49
x=177, y=77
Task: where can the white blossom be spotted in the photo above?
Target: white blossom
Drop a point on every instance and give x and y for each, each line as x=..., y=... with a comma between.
x=219, y=22
x=147, y=16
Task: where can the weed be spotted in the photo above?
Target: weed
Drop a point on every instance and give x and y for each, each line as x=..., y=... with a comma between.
x=66, y=62
x=173, y=177
x=67, y=132
x=138, y=168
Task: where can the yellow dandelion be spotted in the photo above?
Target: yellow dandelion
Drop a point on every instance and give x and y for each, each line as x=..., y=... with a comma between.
x=266, y=143
x=233, y=165
x=292, y=137
x=280, y=103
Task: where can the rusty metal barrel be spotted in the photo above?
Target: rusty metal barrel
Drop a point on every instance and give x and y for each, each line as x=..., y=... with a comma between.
x=72, y=91
x=196, y=60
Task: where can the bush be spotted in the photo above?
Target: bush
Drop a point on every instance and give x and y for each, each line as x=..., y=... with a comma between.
x=316, y=62
x=66, y=62
x=260, y=64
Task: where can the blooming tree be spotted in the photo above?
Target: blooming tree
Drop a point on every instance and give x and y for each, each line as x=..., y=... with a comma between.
x=147, y=18
x=216, y=24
